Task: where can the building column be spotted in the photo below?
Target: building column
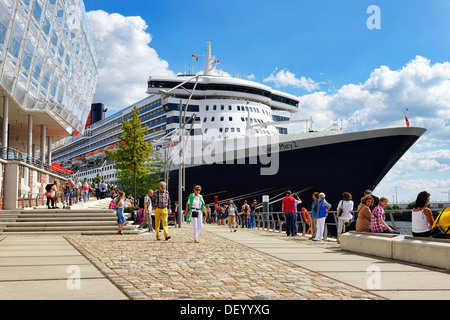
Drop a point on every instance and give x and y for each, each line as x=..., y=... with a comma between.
x=5, y=126
x=49, y=150
x=30, y=138
x=43, y=138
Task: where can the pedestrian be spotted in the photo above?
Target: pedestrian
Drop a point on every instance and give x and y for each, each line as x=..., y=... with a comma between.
x=76, y=190
x=297, y=202
x=86, y=189
x=231, y=212
x=119, y=206
x=161, y=202
x=376, y=200
x=66, y=195
x=421, y=216
x=207, y=216
x=196, y=207
x=102, y=187
x=322, y=213
x=288, y=212
x=220, y=210
x=364, y=214
x=344, y=213
x=148, y=211
x=50, y=193
x=245, y=211
x=251, y=221
x=314, y=206
x=378, y=220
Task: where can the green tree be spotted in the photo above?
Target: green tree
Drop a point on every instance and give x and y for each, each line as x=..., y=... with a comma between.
x=132, y=156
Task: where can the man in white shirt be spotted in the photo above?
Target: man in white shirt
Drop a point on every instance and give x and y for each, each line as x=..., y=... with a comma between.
x=148, y=210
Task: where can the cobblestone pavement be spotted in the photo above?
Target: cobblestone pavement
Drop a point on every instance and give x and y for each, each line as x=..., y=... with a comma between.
x=214, y=269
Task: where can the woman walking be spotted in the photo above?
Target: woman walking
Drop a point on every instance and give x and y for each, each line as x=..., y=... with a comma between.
x=120, y=203
x=344, y=215
x=231, y=212
x=196, y=207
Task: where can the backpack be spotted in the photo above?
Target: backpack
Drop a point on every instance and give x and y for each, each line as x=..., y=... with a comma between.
x=140, y=216
x=67, y=191
x=49, y=187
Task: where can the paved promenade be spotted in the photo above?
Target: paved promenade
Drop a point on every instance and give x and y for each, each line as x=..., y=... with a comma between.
x=244, y=265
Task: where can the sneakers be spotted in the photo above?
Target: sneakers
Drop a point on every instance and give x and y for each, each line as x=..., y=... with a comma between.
x=168, y=237
x=196, y=241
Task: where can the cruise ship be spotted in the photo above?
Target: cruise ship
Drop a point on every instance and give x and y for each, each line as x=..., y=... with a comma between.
x=231, y=136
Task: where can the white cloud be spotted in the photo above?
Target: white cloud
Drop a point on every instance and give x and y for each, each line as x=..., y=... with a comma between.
x=286, y=78
x=125, y=58
x=422, y=88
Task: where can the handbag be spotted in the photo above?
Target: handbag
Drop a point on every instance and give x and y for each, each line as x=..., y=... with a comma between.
x=438, y=232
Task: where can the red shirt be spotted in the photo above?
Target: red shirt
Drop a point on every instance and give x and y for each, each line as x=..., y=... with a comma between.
x=289, y=204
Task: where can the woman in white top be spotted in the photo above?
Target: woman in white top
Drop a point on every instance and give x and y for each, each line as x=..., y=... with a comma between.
x=344, y=209
x=421, y=216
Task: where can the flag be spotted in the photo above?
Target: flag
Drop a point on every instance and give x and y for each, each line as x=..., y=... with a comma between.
x=407, y=121
x=216, y=61
x=194, y=57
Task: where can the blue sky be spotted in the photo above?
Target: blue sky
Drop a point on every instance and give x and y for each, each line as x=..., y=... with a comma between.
x=320, y=50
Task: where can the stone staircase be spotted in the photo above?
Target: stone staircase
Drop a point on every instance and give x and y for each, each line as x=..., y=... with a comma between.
x=62, y=222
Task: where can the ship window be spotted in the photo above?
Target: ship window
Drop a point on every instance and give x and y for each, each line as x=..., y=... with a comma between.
x=246, y=108
x=214, y=108
x=242, y=119
x=226, y=129
x=221, y=118
x=222, y=107
x=239, y=108
x=230, y=118
x=220, y=129
x=230, y=108
x=213, y=118
x=207, y=108
x=238, y=129
x=206, y=130
x=205, y=119
x=232, y=129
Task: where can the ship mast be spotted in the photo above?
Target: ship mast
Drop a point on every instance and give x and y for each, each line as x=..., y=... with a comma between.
x=210, y=66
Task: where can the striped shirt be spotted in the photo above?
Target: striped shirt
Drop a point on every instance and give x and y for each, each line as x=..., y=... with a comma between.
x=377, y=216
x=161, y=199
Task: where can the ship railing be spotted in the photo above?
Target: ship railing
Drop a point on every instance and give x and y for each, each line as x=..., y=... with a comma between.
x=353, y=127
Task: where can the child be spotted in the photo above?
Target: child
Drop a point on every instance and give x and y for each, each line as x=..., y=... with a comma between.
x=111, y=204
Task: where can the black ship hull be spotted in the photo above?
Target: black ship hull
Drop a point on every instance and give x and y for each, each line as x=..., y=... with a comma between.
x=351, y=162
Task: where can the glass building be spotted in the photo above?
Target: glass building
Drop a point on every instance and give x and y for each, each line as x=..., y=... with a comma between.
x=48, y=76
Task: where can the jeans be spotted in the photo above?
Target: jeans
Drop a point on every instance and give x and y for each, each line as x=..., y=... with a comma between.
x=290, y=223
x=85, y=196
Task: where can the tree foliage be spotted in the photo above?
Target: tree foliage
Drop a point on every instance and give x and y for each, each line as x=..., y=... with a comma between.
x=133, y=157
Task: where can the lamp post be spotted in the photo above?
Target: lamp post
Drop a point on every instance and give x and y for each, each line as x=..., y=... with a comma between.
x=181, y=140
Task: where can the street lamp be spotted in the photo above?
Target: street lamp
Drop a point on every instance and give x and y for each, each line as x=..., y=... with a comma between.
x=181, y=141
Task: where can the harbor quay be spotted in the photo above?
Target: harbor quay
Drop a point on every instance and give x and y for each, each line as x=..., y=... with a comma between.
x=250, y=266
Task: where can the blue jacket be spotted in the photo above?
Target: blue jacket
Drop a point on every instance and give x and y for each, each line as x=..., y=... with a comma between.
x=322, y=209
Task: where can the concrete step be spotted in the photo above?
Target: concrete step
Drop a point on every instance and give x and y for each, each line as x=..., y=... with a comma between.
x=63, y=228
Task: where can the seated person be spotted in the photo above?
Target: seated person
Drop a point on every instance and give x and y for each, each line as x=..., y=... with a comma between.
x=377, y=222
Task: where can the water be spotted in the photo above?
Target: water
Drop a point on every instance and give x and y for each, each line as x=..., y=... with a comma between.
x=404, y=227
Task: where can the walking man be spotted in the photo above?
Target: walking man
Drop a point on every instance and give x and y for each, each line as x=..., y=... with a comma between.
x=161, y=201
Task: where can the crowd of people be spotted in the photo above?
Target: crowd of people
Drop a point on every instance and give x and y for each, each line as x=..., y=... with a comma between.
x=156, y=208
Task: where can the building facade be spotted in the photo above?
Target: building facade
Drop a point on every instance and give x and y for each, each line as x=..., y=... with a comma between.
x=48, y=75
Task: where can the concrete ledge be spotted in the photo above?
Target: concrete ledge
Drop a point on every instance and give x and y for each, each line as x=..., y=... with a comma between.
x=424, y=251
x=376, y=244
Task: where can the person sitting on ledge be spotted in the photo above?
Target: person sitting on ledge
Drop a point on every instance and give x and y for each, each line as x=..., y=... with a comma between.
x=377, y=222
x=364, y=214
x=421, y=216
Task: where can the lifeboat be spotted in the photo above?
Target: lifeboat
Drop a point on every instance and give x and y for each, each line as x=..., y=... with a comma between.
x=101, y=153
x=111, y=148
x=67, y=164
x=90, y=156
x=77, y=161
